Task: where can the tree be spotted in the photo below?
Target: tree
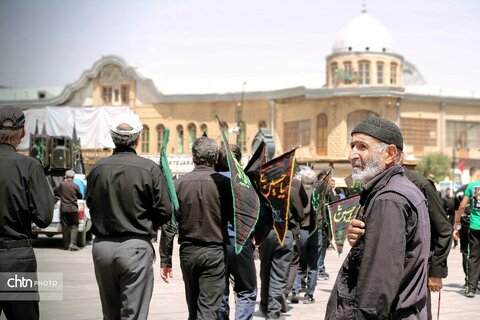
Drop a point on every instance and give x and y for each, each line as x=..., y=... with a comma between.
x=435, y=166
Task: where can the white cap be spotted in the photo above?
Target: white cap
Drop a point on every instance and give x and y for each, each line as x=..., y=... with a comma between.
x=130, y=119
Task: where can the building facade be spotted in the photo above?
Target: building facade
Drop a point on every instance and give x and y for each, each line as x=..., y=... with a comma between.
x=365, y=76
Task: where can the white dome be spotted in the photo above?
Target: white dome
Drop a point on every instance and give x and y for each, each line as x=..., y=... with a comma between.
x=364, y=34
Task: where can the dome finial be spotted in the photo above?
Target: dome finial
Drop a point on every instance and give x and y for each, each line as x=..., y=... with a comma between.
x=364, y=6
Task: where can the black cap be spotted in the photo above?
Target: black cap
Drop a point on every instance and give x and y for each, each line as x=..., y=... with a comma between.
x=382, y=129
x=13, y=114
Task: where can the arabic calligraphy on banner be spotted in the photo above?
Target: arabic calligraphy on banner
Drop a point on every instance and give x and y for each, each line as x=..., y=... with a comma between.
x=341, y=212
x=275, y=181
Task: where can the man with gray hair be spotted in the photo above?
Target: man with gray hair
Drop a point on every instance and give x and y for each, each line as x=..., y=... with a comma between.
x=384, y=276
x=25, y=196
x=205, y=199
x=128, y=200
x=68, y=193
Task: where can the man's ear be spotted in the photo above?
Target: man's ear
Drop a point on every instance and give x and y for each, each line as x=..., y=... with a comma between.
x=391, y=151
x=23, y=132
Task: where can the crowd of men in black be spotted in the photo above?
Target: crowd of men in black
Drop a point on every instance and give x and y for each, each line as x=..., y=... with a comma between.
x=128, y=200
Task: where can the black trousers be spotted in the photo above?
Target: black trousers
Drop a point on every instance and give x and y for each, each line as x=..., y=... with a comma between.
x=19, y=260
x=69, y=222
x=203, y=270
x=473, y=267
x=464, y=231
x=292, y=273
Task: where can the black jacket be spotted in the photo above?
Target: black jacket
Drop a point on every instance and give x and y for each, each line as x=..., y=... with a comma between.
x=25, y=195
x=384, y=276
x=205, y=199
x=127, y=195
x=440, y=228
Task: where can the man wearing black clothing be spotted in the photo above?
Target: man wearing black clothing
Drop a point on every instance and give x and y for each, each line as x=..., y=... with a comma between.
x=465, y=224
x=205, y=199
x=441, y=235
x=449, y=206
x=128, y=200
x=277, y=260
x=240, y=267
x=25, y=196
x=394, y=223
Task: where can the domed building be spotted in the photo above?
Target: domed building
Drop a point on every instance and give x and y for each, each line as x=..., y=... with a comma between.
x=365, y=75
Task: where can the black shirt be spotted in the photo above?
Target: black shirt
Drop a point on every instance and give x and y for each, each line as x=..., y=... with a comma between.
x=440, y=227
x=25, y=195
x=127, y=195
x=205, y=199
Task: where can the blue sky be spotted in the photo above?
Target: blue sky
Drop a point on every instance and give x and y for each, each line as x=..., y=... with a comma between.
x=217, y=45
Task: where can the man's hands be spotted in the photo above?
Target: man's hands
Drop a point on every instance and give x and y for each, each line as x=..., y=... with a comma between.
x=356, y=228
x=456, y=234
x=434, y=284
x=166, y=273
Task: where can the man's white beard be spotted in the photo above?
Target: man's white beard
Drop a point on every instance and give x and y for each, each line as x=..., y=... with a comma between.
x=370, y=169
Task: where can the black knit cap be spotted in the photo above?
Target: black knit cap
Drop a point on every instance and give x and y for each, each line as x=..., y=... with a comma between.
x=13, y=114
x=382, y=129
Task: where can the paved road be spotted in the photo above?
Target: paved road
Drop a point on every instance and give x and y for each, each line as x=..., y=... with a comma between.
x=81, y=299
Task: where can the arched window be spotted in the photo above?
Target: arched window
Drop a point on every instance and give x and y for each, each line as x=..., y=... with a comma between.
x=204, y=129
x=192, y=135
x=379, y=72
x=160, y=134
x=393, y=73
x=363, y=72
x=356, y=117
x=180, y=138
x=322, y=134
x=242, y=136
x=145, y=139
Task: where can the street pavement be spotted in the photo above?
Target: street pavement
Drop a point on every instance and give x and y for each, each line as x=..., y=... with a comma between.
x=81, y=299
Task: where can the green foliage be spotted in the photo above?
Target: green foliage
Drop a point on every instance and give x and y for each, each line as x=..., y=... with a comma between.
x=435, y=166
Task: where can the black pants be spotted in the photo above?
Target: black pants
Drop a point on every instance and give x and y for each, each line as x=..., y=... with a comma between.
x=19, y=260
x=473, y=267
x=203, y=270
x=292, y=273
x=69, y=222
x=464, y=244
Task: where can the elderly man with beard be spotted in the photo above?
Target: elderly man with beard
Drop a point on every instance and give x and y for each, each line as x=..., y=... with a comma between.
x=384, y=276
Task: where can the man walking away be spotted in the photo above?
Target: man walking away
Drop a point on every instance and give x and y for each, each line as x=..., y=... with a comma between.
x=128, y=200
x=25, y=196
x=205, y=199
x=69, y=192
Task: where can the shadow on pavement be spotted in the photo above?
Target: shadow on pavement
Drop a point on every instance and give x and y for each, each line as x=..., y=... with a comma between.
x=45, y=242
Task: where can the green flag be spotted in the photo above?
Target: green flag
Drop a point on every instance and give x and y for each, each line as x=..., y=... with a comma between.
x=168, y=177
x=246, y=205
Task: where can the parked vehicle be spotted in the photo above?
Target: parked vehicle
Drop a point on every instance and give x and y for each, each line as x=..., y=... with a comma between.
x=84, y=224
x=57, y=154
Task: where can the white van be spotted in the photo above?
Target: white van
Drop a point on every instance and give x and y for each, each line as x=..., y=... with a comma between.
x=84, y=221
